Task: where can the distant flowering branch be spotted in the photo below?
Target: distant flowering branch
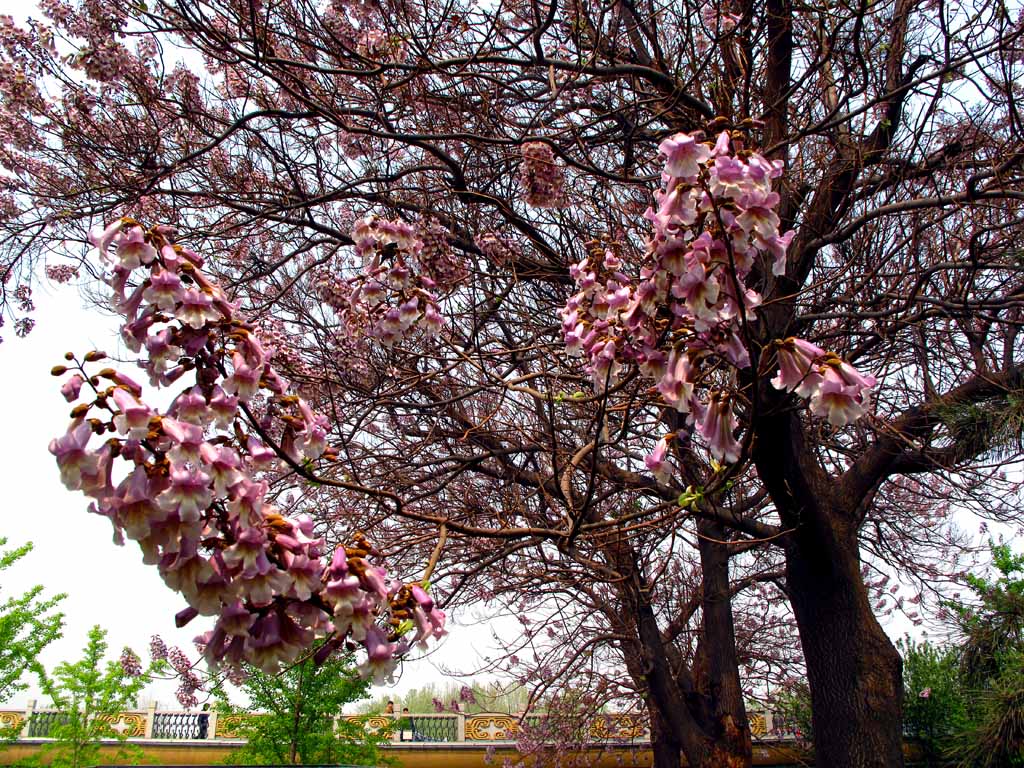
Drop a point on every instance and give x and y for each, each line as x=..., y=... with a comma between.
x=195, y=489
x=543, y=180
x=394, y=291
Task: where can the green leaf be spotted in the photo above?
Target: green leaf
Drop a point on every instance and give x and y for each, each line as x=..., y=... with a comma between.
x=28, y=623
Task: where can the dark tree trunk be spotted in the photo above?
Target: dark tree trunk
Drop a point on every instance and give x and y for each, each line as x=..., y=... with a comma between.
x=728, y=728
x=854, y=672
x=666, y=753
x=664, y=690
x=664, y=746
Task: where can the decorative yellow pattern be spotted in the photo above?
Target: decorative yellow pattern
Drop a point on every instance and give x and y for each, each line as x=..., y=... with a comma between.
x=758, y=725
x=483, y=727
x=230, y=726
x=491, y=728
x=128, y=724
x=618, y=727
x=372, y=724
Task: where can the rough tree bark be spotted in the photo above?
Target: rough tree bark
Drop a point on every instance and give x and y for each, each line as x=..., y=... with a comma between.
x=728, y=723
x=695, y=712
x=854, y=671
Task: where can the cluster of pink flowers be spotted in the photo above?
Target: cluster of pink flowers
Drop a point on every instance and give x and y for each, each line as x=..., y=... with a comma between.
x=130, y=662
x=23, y=295
x=378, y=45
x=497, y=249
x=719, y=20
x=61, y=273
x=23, y=326
x=287, y=354
x=542, y=178
x=17, y=90
x=105, y=61
x=837, y=391
x=681, y=320
x=393, y=293
x=157, y=648
x=437, y=258
x=189, y=681
x=195, y=491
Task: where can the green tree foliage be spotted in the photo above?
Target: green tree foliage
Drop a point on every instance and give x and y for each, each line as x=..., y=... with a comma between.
x=292, y=716
x=934, y=708
x=994, y=628
x=28, y=623
x=992, y=666
x=88, y=694
x=995, y=738
x=792, y=708
x=482, y=697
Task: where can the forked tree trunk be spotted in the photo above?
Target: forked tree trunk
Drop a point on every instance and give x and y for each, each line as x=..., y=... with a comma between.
x=854, y=672
x=706, y=724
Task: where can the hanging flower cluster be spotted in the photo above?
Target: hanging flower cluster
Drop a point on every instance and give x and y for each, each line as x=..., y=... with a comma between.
x=497, y=249
x=542, y=178
x=681, y=321
x=394, y=292
x=195, y=489
x=437, y=258
x=130, y=662
x=838, y=392
x=61, y=273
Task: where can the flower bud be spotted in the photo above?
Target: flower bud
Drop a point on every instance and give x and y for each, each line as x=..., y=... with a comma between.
x=92, y=357
x=58, y=370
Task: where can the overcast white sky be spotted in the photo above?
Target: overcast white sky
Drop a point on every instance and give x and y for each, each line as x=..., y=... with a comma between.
x=73, y=553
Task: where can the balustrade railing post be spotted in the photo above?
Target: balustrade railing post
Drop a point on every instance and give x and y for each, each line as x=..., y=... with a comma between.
x=460, y=727
x=396, y=732
x=211, y=726
x=29, y=709
x=769, y=723
x=147, y=732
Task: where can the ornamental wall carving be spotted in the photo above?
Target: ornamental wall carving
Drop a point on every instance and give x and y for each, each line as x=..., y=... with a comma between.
x=491, y=728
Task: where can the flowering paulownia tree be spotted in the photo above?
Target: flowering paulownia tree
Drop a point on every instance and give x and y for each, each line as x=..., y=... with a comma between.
x=194, y=497
x=409, y=200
